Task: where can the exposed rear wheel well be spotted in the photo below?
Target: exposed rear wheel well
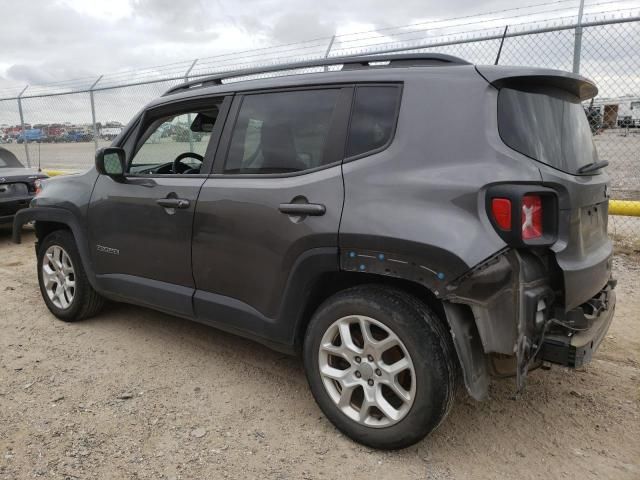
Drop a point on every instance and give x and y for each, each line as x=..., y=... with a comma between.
x=334, y=282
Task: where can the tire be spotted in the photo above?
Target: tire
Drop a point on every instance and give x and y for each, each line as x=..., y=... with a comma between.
x=75, y=303
x=427, y=390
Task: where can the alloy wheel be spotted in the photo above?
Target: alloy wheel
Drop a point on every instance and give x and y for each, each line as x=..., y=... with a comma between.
x=59, y=277
x=367, y=371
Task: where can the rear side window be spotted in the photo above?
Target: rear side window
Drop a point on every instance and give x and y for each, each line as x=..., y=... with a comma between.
x=547, y=125
x=373, y=118
x=282, y=132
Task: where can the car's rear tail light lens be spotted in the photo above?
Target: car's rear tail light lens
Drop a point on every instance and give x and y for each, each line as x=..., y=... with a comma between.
x=501, y=211
x=523, y=215
x=531, y=217
x=37, y=186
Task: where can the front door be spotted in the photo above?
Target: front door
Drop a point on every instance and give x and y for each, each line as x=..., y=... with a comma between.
x=274, y=201
x=140, y=227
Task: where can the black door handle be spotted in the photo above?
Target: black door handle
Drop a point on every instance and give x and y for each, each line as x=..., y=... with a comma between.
x=313, y=209
x=173, y=202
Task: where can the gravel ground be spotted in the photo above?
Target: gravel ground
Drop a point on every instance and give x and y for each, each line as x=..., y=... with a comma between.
x=139, y=394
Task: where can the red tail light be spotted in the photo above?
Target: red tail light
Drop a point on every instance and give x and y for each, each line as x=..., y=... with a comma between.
x=523, y=215
x=531, y=217
x=501, y=211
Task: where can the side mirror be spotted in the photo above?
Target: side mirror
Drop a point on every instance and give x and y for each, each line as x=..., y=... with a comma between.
x=111, y=161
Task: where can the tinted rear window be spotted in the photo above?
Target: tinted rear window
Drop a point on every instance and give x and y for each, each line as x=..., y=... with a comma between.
x=373, y=119
x=547, y=125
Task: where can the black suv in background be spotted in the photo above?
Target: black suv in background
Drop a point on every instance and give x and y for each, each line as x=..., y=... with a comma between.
x=402, y=222
x=18, y=185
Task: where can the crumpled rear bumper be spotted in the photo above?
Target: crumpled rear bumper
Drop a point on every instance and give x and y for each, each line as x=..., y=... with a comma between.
x=576, y=348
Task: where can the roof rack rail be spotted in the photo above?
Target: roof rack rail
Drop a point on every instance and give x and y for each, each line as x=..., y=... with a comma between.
x=347, y=62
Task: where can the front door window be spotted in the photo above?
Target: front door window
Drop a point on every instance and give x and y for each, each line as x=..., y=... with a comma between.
x=175, y=144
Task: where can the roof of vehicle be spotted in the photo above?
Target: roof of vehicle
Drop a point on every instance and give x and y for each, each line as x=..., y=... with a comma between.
x=367, y=68
x=336, y=70
x=348, y=63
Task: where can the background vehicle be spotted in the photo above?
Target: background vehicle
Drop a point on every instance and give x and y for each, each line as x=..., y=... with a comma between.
x=109, y=133
x=328, y=214
x=76, y=136
x=629, y=114
x=18, y=185
x=31, y=135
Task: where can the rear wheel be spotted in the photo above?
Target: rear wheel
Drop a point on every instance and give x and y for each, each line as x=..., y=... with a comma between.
x=63, y=282
x=380, y=365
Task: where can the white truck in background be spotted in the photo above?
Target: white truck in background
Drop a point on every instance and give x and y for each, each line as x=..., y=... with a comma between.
x=629, y=114
x=109, y=133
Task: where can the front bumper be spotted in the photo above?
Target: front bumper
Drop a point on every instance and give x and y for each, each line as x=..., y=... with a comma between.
x=576, y=348
x=10, y=206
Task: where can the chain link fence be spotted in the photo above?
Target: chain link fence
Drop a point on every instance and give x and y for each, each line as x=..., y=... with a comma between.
x=59, y=126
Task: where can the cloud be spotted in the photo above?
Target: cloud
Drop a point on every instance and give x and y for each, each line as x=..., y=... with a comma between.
x=28, y=74
x=297, y=26
x=45, y=73
x=174, y=17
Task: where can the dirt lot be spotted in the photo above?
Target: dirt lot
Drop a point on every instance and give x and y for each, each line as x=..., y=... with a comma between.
x=138, y=394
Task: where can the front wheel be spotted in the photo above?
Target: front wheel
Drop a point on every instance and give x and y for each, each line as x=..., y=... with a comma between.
x=381, y=366
x=63, y=281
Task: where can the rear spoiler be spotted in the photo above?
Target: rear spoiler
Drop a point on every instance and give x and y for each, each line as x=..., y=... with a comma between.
x=522, y=77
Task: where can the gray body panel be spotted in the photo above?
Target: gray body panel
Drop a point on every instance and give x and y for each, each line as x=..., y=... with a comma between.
x=429, y=187
x=71, y=192
x=245, y=248
x=151, y=241
x=583, y=250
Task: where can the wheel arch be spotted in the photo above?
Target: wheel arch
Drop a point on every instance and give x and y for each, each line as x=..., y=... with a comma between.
x=459, y=319
x=330, y=283
x=45, y=227
x=50, y=219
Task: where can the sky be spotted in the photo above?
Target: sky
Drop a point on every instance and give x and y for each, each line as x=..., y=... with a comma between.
x=45, y=41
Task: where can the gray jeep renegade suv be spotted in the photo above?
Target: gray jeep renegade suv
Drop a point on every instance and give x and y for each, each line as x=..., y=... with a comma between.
x=401, y=222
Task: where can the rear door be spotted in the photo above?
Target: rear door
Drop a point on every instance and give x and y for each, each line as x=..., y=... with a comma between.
x=140, y=227
x=275, y=197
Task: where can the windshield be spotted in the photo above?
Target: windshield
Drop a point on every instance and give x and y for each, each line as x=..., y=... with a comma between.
x=548, y=125
x=8, y=159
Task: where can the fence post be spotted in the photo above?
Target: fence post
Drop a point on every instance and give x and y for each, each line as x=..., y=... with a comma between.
x=186, y=79
x=328, y=51
x=577, y=43
x=93, y=113
x=24, y=134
